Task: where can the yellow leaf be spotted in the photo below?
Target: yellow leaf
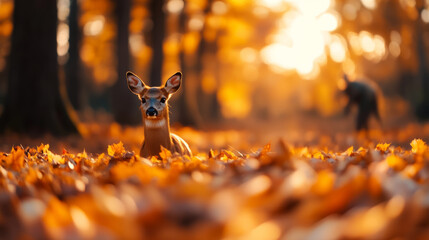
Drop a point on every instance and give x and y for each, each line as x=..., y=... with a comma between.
x=81, y=156
x=57, y=159
x=155, y=160
x=319, y=155
x=265, y=150
x=349, y=151
x=226, y=155
x=116, y=149
x=43, y=148
x=396, y=162
x=165, y=153
x=382, y=147
x=418, y=146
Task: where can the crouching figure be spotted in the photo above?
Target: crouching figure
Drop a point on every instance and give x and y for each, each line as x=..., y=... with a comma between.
x=364, y=95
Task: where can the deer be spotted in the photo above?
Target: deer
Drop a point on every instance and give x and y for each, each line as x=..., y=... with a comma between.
x=365, y=96
x=155, y=115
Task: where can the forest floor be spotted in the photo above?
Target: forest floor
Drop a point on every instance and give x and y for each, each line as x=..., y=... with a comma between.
x=308, y=178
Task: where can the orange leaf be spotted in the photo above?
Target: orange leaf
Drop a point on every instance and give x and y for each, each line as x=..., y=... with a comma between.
x=165, y=153
x=43, y=148
x=16, y=158
x=349, y=151
x=396, y=162
x=319, y=155
x=116, y=150
x=382, y=147
x=418, y=146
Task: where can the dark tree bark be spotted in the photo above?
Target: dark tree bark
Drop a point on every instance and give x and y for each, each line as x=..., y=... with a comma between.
x=423, y=75
x=187, y=112
x=34, y=105
x=73, y=67
x=125, y=105
x=156, y=40
x=209, y=105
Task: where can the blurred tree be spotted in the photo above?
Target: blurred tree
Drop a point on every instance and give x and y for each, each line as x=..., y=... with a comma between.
x=34, y=104
x=423, y=75
x=73, y=67
x=188, y=113
x=124, y=104
x=210, y=105
x=156, y=40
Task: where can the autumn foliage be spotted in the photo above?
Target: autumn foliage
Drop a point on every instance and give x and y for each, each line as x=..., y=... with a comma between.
x=277, y=192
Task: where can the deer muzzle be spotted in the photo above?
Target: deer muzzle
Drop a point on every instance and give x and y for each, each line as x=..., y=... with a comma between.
x=151, y=112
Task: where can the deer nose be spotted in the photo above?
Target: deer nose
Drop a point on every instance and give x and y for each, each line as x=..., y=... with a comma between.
x=151, y=112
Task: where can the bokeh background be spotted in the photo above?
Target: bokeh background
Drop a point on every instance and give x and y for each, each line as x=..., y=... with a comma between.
x=262, y=65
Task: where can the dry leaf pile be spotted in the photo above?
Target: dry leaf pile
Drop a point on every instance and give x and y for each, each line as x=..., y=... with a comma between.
x=278, y=192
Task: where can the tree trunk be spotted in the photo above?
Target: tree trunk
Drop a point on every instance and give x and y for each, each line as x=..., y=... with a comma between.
x=125, y=105
x=73, y=68
x=209, y=105
x=156, y=41
x=187, y=110
x=34, y=105
x=423, y=75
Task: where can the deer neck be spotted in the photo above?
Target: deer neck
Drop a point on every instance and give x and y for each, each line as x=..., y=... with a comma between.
x=156, y=134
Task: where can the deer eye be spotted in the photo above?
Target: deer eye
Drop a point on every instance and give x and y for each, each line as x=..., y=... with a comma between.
x=163, y=100
x=143, y=100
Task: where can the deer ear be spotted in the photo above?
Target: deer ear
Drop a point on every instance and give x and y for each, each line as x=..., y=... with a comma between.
x=135, y=84
x=173, y=83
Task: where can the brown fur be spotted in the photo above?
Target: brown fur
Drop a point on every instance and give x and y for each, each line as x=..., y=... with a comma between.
x=157, y=128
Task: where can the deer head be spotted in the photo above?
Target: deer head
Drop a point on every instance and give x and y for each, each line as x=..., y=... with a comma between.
x=154, y=100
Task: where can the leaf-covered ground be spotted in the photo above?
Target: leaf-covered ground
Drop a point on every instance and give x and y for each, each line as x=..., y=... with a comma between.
x=278, y=191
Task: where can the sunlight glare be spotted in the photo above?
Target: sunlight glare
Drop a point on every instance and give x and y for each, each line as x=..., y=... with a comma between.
x=274, y=5
x=425, y=15
x=196, y=23
x=175, y=6
x=354, y=42
x=327, y=22
x=278, y=55
x=394, y=49
x=63, y=7
x=219, y=7
x=299, y=43
x=94, y=26
x=136, y=42
x=380, y=47
x=337, y=50
x=370, y=4
x=62, y=39
x=366, y=41
x=305, y=68
x=311, y=7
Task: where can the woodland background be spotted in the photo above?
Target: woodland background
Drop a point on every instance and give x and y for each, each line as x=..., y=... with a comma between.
x=260, y=106
x=250, y=63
